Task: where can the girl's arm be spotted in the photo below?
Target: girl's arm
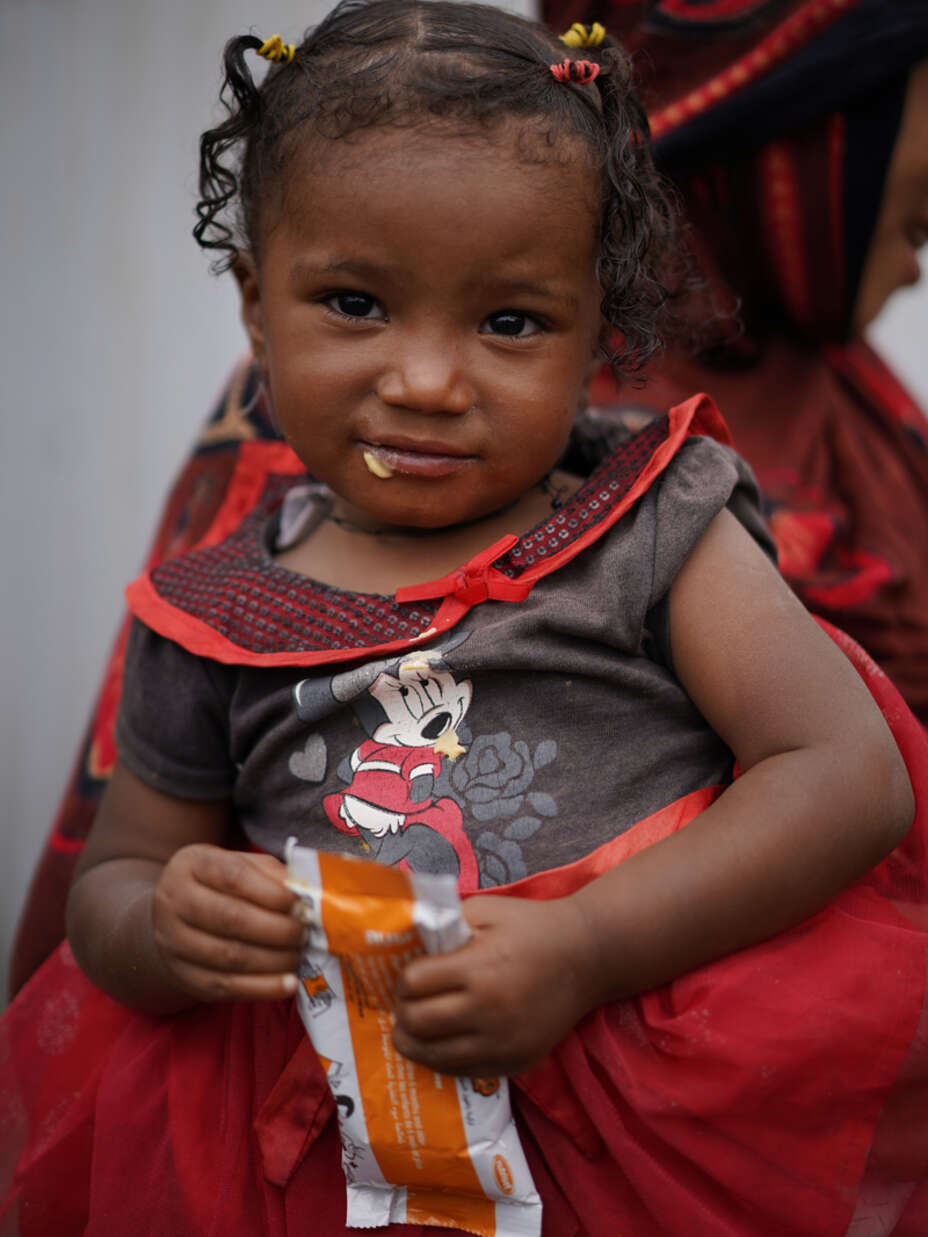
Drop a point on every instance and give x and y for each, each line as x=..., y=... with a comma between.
x=161, y=917
x=822, y=798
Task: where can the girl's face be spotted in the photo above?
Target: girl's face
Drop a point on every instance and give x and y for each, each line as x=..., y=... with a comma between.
x=426, y=312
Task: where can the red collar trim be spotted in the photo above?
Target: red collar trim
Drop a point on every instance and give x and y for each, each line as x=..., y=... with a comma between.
x=505, y=571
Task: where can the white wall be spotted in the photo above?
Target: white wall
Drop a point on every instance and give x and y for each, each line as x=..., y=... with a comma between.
x=113, y=341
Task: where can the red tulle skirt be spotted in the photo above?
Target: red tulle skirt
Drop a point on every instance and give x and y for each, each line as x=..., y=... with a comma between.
x=780, y=1092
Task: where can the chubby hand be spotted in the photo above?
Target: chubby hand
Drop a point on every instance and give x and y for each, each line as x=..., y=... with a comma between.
x=223, y=925
x=502, y=1001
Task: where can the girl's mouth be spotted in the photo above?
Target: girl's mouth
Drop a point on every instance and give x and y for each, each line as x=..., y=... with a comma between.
x=419, y=460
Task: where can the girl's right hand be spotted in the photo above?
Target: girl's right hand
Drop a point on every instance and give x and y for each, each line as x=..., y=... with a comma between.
x=161, y=914
x=223, y=925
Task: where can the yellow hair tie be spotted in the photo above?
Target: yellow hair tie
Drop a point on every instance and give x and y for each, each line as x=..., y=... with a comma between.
x=579, y=36
x=276, y=49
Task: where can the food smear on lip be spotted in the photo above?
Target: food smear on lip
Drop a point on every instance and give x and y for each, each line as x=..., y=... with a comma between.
x=385, y=461
x=375, y=466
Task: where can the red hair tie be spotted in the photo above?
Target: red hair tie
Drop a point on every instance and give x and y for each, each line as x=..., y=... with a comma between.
x=580, y=71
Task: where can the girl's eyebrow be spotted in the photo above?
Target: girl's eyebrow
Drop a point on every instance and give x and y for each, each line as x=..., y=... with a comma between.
x=530, y=287
x=302, y=268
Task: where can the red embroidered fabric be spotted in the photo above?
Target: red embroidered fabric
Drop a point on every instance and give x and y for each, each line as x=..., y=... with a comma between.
x=235, y=588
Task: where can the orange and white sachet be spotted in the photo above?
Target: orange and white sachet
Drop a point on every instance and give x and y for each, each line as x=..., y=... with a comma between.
x=417, y=1147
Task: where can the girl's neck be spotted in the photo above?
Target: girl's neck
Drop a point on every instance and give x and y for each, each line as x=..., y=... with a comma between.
x=357, y=522
x=347, y=554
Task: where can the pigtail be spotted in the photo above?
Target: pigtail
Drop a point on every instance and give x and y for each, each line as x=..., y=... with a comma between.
x=638, y=249
x=219, y=182
x=641, y=266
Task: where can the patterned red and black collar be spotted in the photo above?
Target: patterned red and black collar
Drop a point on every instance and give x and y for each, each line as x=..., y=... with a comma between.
x=227, y=599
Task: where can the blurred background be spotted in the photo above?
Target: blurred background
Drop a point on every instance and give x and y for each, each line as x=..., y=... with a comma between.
x=114, y=340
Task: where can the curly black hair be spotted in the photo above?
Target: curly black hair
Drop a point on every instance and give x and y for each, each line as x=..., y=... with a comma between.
x=403, y=62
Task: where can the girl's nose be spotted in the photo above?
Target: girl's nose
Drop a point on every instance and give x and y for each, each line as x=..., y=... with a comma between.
x=426, y=377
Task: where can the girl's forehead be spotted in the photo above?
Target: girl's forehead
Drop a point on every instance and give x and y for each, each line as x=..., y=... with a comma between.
x=436, y=146
x=458, y=205
x=373, y=167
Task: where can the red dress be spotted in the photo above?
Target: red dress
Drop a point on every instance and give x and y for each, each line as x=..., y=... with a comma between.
x=780, y=1091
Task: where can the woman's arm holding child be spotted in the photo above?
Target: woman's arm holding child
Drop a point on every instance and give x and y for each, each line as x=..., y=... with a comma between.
x=822, y=798
x=162, y=917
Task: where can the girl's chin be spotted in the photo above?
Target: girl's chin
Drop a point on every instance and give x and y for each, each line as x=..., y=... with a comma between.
x=384, y=518
x=438, y=509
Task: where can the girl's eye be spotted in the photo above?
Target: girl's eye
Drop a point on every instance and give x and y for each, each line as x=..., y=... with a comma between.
x=512, y=324
x=356, y=305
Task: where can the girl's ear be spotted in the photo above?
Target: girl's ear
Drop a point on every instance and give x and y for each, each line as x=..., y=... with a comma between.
x=246, y=275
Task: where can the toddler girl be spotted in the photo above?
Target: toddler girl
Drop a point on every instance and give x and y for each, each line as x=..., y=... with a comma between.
x=458, y=625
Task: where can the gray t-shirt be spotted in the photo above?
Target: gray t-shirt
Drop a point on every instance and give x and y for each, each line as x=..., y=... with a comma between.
x=523, y=739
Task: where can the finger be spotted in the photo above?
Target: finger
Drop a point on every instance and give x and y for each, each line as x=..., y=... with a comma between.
x=463, y=1054
x=208, y=985
x=255, y=878
x=191, y=946
x=273, y=869
x=424, y=977
x=483, y=910
x=438, y=1017
x=236, y=919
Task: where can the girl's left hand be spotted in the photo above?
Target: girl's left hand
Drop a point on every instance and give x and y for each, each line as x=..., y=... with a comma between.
x=499, y=1003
